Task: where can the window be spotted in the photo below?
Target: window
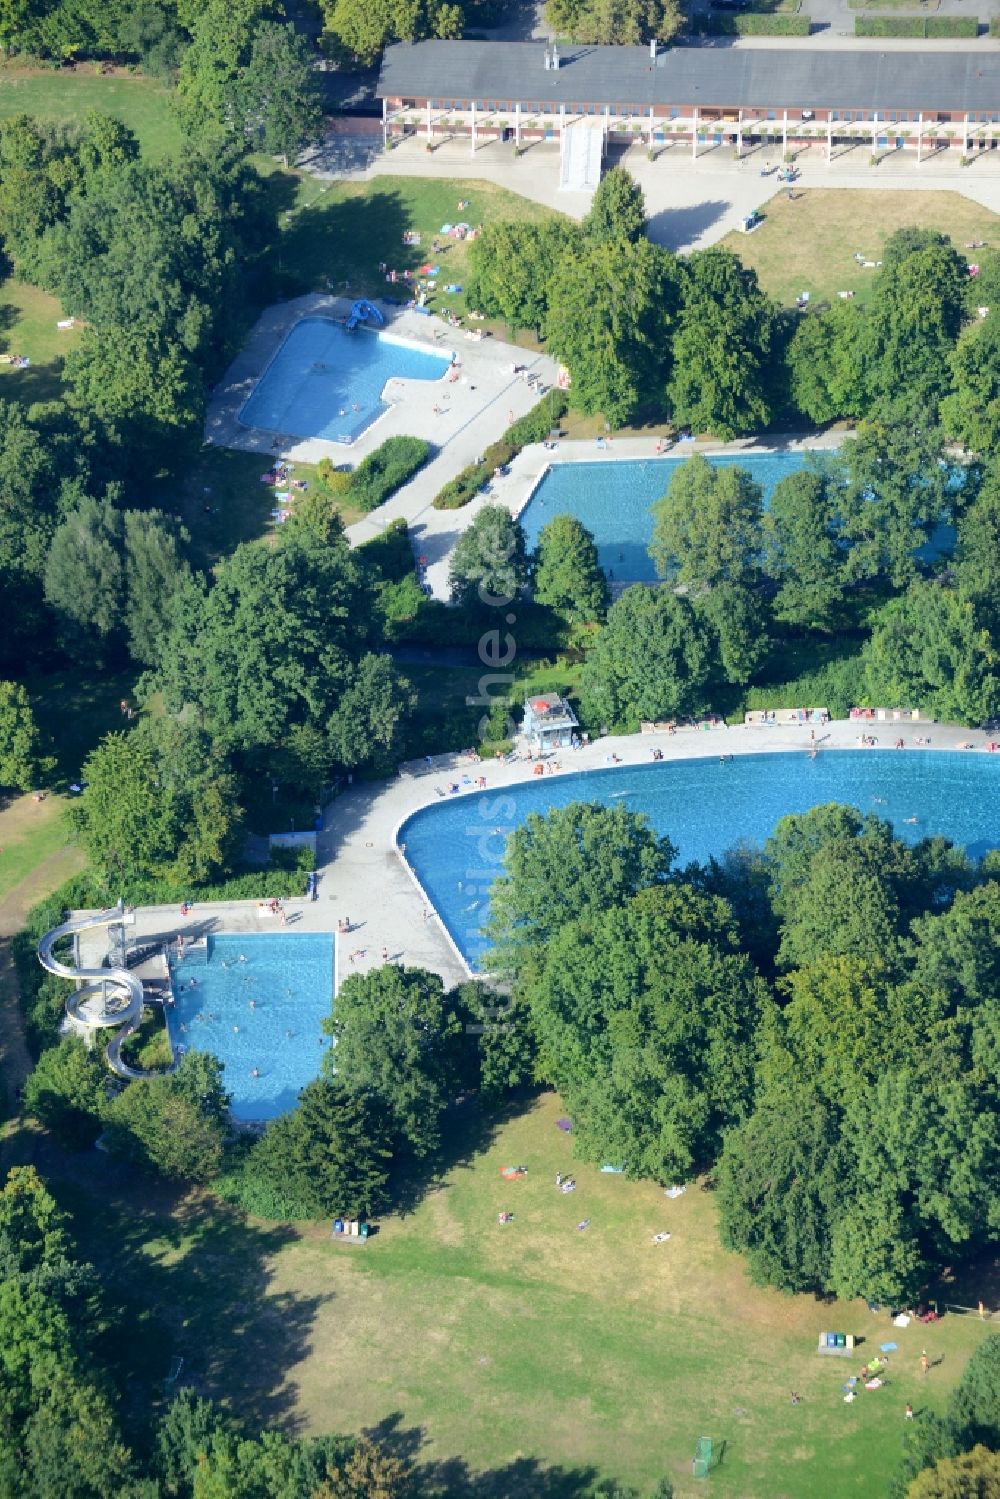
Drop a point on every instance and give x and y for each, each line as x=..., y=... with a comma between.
x=772, y=114
x=892, y=117
x=674, y=112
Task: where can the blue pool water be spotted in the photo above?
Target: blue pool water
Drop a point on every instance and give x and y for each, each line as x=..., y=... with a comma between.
x=326, y=382
x=288, y=979
x=704, y=807
x=613, y=500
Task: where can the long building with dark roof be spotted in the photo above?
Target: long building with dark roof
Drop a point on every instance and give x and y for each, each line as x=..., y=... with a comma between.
x=522, y=91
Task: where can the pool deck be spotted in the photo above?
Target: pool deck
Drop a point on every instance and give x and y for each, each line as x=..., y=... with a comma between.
x=461, y=417
x=364, y=876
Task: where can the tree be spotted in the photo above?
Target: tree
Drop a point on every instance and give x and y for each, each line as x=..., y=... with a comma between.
x=364, y=29
x=622, y=22
x=971, y=1475
x=652, y=660
x=272, y=644
x=738, y=618
x=972, y=411
x=22, y=761
x=644, y=1020
x=779, y=1188
x=576, y=860
x=895, y=487
x=278, y=93
x=802, y=551
x=155, y=572
x=910, y=330
x=209, y=79
x=978, y=552
x=975, y=1405
x=369, y=1471
x=928, y=648
x=510, y=267
x=84, y=580
x=67, y=1091
x=567, y=575
x=160, y=803
x=617, y=209
x=164, y=1124
x=706, y=528
x=364, y=728
x=824, y=364
x=398, y=1037
x=610, y=318
x=490, y=562
x=331, y=1154
x=721, y=347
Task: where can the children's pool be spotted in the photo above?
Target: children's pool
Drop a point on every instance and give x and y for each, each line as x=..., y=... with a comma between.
x=326, y=382
x=705, y=807
x=613, y=499
x=257, y=1003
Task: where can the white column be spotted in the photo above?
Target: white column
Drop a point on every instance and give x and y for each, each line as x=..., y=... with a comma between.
x=651, y=127
x=829, y=139
x=694, y=135
x=473, y=127
x=562, y=124
x=875, y=133
x=920, y=138
x=385, y=126
x=739, y=135
x=784, y=133
x=517, y=122
x=965, y=136
x=607, y=126
x=429, y=102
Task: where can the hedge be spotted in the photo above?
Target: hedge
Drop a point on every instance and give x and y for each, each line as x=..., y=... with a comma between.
x=387, y=469
x=391, y=552
x=924, y=27
x=750, y=23
x=995, y=26
x=534, y=427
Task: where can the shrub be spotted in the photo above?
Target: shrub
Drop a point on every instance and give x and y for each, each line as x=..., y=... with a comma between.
x=534, y=427
x=750, y=23
x=928, y=27
x=378, y=476
x=995, y=26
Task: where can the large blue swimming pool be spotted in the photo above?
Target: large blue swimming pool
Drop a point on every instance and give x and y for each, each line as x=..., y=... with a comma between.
x=257, y=1003
x=613, y=500
x=705, y=807
x=326, y=382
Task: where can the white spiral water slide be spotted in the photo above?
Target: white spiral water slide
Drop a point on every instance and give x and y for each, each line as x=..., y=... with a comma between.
x=106, y=998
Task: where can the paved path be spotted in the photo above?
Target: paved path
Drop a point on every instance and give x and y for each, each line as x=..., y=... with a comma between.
x=692, y=204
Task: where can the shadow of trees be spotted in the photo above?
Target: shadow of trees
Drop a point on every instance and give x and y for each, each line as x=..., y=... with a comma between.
x=184, y=1275
x=334, y=244
x=679, y=228
x=521, y=1478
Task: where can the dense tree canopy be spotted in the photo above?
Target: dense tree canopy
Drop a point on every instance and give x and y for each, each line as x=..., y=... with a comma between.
x=23, y=761
x=652, y=659
x=567, y=576
x=706, y=528
x=489, y=565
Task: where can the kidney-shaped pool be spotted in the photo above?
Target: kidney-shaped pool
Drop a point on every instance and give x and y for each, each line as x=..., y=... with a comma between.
x=704, y=806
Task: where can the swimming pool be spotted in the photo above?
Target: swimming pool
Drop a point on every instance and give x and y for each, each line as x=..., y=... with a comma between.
x=613, y=500
x=257, y=1003
x=704, y=807
x=326, y=382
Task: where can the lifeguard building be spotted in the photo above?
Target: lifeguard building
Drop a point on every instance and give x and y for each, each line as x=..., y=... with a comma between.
x=549, y=723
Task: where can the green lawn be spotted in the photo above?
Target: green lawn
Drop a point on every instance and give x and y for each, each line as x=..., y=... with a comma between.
x=75, y=708
x=808, y=244
x=66, y=95
x=30, y=833
x=28, y=320
x=515, y=1346
x=336, y=234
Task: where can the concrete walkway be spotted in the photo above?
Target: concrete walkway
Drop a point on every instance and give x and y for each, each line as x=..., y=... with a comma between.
x=691, y=204
x=365, y=875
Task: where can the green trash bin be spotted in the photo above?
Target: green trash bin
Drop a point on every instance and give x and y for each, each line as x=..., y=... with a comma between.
x=363, y=1231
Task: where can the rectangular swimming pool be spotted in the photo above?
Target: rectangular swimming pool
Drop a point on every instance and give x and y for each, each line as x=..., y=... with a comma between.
x=613, y=500
x=326, y=382
x=257, y=1004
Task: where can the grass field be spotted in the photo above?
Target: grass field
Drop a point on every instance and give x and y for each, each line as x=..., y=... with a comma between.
x=28, y=320
x=809, y=244
x=533, y=1352
x=33, y=834
x=75, y=708
x=66, y=95
x=336, y=234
